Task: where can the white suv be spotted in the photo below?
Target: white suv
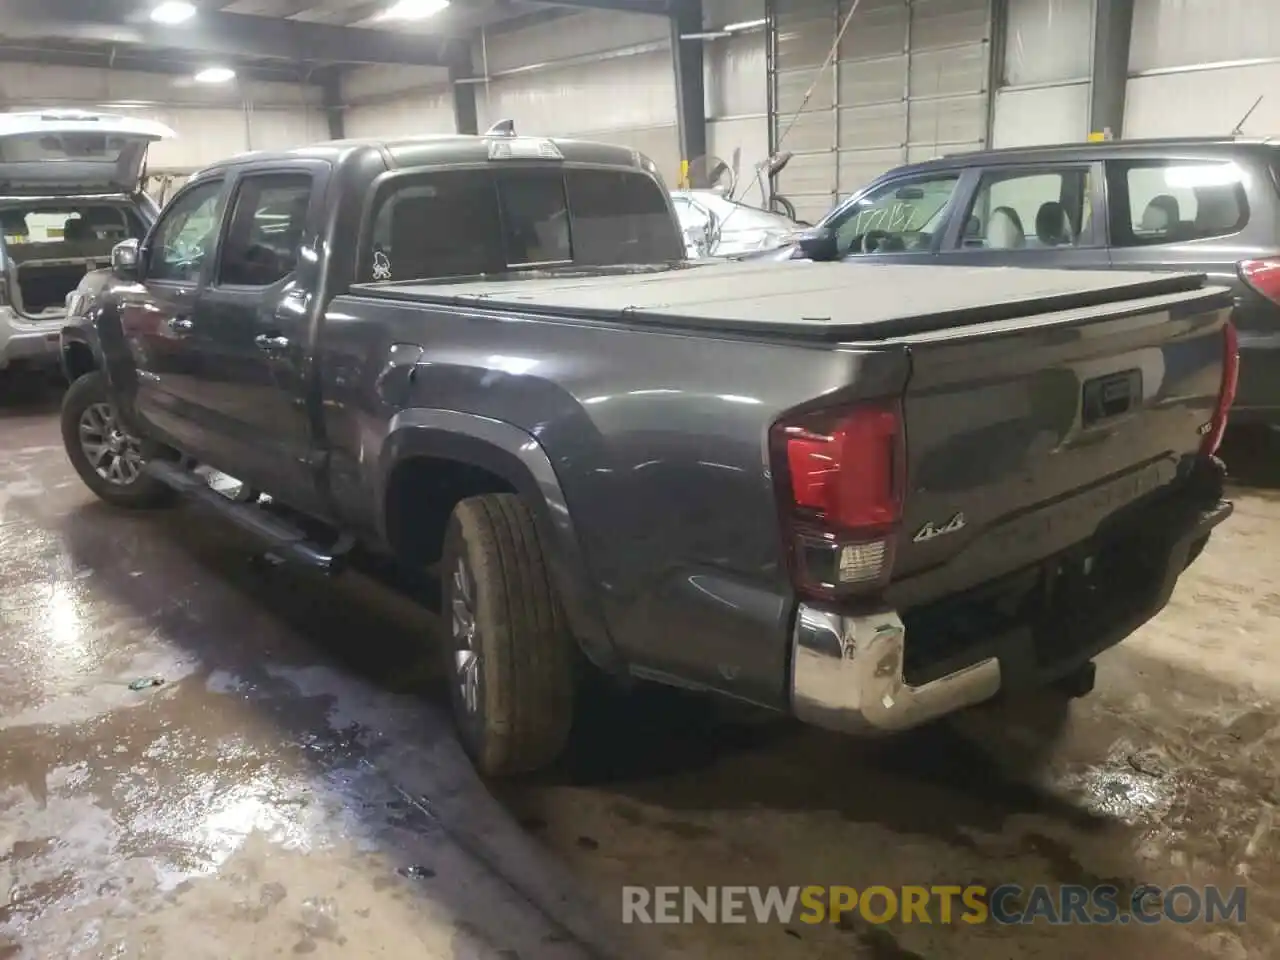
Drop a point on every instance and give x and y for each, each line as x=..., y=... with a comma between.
x=70, y=189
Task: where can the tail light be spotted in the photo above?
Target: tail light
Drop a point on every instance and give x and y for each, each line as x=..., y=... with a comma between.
x=840, y=476
x=1227, y=390
x=1263, y=276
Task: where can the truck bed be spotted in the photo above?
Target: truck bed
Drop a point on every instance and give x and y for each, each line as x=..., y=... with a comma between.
x=823, y=302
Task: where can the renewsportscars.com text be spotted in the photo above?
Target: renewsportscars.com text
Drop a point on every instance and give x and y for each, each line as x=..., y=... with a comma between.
x=945, y=904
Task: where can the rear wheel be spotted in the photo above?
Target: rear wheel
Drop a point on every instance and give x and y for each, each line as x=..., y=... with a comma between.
x=105, y=455
x=511, y=656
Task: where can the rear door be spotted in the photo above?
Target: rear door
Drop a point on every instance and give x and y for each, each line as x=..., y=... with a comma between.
x=1209, y=215
x=158, y=315
x=1047, y=215
x=250, y=332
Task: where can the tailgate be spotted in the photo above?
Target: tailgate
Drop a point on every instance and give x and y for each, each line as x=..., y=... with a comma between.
x=1023, y=436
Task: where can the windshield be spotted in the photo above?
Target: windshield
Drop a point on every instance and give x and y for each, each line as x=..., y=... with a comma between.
x=453, y=223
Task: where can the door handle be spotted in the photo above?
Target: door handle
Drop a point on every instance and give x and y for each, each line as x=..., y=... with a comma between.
x=180, y=324
x=271, y=344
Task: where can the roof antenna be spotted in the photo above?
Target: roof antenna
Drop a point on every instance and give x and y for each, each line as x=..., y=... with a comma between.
x=503, y=128
x=1238, y=129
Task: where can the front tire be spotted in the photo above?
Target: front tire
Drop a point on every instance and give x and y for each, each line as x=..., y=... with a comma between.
x=106, y=457
x=511, y=656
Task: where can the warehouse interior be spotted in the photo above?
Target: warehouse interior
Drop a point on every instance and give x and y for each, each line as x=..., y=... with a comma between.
x=205, y=752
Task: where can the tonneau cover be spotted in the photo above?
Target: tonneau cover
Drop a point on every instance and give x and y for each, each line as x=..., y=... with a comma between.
x=814, y=301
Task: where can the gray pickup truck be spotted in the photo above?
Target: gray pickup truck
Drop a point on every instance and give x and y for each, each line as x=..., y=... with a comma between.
x=864, y=495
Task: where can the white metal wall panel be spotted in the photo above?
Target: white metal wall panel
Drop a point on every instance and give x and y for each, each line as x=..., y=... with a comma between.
x=909, y=82
x=1057, y=114
x=1179, y=33
x=736, y=80
x=212, y=121
x=1209, y=103
x=1211, y=58
x=598, y=75
x=397, y=101
x=1048, y=41
x=409, y=115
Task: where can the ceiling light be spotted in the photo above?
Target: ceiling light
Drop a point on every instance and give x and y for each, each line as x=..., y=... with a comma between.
x=172, y=11
x=412, y=9
x=215, y=75
x=744, y=25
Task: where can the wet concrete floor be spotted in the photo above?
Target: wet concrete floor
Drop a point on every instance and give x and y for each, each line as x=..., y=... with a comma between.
x=292, y=787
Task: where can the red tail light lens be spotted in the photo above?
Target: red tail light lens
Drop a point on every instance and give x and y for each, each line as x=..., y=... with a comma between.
x=1226, y=392
x=1263, y=276
x=840, y=477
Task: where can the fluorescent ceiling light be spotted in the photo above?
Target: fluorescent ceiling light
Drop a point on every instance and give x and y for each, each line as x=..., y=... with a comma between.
x=215, y=75
x=172, y=11
x=744, y=25
x=412, y=9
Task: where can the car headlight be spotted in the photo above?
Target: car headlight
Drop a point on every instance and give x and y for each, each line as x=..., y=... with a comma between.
x=76, y=302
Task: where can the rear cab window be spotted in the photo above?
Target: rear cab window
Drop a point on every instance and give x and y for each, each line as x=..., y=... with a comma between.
x=1175, y=201
x=467, y=222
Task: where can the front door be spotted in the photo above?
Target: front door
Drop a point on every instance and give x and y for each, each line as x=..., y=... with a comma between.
x=1048, y=216
x=250, y=334
x=900, y=221
x=158, y=317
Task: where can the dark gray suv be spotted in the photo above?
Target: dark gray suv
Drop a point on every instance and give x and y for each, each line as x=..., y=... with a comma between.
x=1207, y=206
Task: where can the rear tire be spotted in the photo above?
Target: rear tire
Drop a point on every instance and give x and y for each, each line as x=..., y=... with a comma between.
x=108, y=460
x=510, y=655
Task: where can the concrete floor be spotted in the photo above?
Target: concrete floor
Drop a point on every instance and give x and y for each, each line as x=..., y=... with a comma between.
x=288, y=789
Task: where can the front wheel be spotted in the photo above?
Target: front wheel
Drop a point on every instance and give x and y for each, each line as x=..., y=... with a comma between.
x=511, y=656
x=105, y=455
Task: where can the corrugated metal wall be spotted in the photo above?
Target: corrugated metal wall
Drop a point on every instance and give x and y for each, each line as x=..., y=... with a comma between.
x=596, y=74
x=397, y=101
x=909, y=82
x=212, y=122
x=1211, y=58
x=737, y=86
x=1045, y=94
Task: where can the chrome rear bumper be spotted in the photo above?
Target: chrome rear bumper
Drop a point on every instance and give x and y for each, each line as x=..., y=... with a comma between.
x=846, y=675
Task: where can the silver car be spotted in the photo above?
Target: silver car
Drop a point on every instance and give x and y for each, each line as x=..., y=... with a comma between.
x=70, y=189
x=717, y=226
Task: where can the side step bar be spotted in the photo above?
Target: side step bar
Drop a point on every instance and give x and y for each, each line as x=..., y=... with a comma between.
x=283, y=539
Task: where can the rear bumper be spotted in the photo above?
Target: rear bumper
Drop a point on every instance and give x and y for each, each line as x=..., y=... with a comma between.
x=28, y=341
x=850, y=672
x=1258, y=392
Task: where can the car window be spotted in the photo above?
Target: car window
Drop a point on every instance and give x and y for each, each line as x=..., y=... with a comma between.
x=459, y=223
x=1039, y=210
x=1172, y=201
x=899, y=216
x=267, y=225
x=185, y=234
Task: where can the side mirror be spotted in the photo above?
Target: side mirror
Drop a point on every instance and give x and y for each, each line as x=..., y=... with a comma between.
x=819, y=243
x=124, y=260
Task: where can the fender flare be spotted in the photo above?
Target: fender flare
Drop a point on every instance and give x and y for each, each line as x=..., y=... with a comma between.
x=516, y=456
x=83, y=334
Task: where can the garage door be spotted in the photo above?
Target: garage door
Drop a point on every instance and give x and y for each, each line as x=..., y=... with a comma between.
x=909, y=83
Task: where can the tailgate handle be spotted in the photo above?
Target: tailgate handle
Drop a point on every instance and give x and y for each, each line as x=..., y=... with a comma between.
x=1110, y=396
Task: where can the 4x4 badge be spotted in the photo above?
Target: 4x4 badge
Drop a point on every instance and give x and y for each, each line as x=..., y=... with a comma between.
x=930, y=532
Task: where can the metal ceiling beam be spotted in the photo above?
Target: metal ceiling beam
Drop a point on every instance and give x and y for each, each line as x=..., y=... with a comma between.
x=219, y=34
x=656, y=7
x=141, y=62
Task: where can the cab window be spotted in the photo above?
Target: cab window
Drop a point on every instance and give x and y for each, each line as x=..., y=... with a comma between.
x=267, y=224
x=1030, y=210
x=185, y=234
x=898, y=217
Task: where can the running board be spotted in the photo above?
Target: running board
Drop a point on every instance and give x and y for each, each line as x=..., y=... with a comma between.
x=281, y=537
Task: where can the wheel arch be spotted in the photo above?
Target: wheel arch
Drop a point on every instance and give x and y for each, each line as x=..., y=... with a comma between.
x=466, y=455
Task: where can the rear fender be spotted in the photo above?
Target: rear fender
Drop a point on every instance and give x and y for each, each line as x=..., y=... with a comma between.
x=514, y=455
